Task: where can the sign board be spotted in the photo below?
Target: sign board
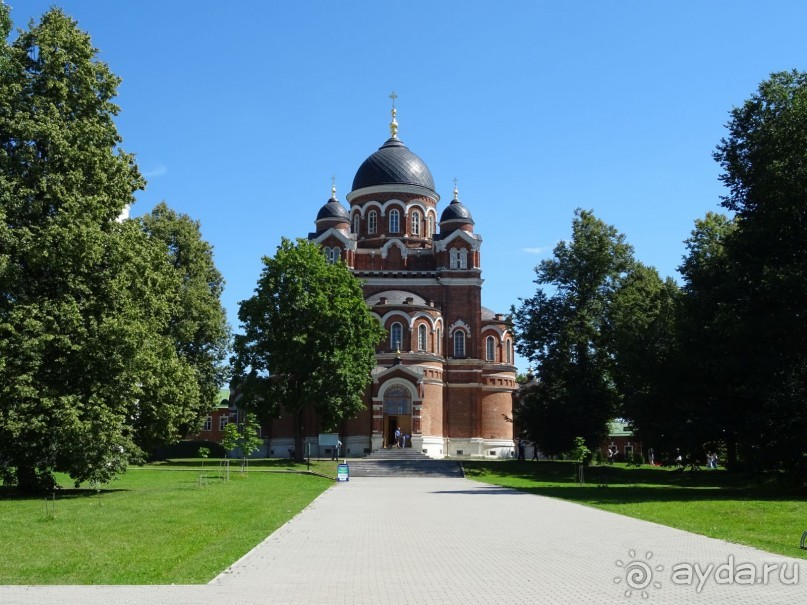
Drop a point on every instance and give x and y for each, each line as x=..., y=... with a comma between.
x=342, y=472
x=329, y=439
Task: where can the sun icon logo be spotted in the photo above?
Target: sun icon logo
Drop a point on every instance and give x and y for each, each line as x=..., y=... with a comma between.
x=638, y=574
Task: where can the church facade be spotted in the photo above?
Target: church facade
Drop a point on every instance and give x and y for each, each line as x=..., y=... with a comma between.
x=445, y=374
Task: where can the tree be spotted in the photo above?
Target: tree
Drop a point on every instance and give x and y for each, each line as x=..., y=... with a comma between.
x=199, y=325
x=90, y=373
x=243, y=436
x=710, y=360
x=764, y=168
x=641, y=330
x=309, y=339
x=565, y=333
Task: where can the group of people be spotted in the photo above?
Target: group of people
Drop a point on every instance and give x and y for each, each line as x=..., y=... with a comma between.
x=711, y=459
x=400, y=438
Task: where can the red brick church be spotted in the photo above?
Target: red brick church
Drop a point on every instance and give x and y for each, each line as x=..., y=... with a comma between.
x=445, y=373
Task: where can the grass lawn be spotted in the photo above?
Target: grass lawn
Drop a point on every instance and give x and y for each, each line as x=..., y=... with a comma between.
x=155, y=525
x=709, y=502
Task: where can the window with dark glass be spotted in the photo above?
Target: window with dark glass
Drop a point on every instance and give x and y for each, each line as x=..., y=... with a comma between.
x=459, y=344
x=396, y=336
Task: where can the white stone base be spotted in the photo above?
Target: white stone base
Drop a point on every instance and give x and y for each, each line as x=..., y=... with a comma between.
x=433, y=447
x=485, y=449
x=355, y=446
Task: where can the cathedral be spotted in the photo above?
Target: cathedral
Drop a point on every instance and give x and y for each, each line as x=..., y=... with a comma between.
x=445, y=374
x=444, y=377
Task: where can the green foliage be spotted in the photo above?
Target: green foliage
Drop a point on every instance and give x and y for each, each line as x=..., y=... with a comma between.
x=243, y=436
x=764, y=168
x=579, y=452
x=188, y=448
x=91, y=373
x=204, y=452
x=309, y=339
x=198, y=325
x=566, y=334
x=641, y=330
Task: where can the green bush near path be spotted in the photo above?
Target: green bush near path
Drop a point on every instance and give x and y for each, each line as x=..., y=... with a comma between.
x=766, y=514
x=152, y=527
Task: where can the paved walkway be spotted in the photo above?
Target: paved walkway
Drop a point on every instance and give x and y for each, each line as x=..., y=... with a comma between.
x=445, y=541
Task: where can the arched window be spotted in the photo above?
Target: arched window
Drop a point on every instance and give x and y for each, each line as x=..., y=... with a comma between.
x=463, y=259
x=395, y=336
x=438, y=341
x=422, y=337
x=453, y=256
x=356, y=223
x=430, y=226
x=372, y=221
x=507, y=347
x=397, y=401
x=459, y=344
x=394, y=221
x=490, y=348
x=416, y=223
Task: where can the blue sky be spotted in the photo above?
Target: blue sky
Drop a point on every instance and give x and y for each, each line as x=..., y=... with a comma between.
x=240, y=112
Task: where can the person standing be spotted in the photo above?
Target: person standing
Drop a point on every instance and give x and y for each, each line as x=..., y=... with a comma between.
x=521, y=450
x=398, y=437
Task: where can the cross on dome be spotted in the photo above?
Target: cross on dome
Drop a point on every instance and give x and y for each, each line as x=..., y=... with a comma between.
x=393, y=125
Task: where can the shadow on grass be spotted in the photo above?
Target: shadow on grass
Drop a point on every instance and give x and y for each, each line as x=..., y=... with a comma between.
x=64, y=493
x=622, y=484
x=274, y=463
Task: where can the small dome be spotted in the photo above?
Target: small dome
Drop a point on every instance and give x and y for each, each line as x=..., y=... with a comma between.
x=456, y=212
x=393, y=164
x=333, y=209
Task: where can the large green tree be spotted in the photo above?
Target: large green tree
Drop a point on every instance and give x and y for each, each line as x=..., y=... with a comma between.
x=90, y=371
x=198, y=326
x=309, y=339
x=563, y=329
x=711, y=360
x=764, y=161
x=641, y=332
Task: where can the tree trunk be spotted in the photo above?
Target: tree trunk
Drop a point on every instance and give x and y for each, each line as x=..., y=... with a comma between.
x=30, y=481
x=299, y=454
x=731, y=454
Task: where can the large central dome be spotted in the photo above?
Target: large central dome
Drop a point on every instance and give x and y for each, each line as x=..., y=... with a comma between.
x=393, y=164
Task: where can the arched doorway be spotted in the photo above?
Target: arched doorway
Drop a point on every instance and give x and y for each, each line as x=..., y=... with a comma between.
x=397, y=415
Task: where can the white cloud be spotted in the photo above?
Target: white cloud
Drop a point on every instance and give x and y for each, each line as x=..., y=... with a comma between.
x=539, y=250
x=160, y=170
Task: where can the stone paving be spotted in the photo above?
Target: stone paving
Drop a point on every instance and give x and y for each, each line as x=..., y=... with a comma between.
x=446, y=541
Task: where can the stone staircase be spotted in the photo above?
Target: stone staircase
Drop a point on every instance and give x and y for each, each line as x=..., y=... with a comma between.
x=403, y=462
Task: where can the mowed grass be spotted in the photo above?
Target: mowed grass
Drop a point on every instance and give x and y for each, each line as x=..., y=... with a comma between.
x=151, y=526
x=766, y=515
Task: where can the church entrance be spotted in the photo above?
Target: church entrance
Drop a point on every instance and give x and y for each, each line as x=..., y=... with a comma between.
x=397, y=415
x=399, y=422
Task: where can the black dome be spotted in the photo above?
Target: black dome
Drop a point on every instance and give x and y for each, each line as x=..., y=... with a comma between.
x=333, y=209
x=393, y=164
x=455, y=211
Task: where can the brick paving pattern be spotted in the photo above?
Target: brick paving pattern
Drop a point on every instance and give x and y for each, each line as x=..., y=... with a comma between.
x=446, y=541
